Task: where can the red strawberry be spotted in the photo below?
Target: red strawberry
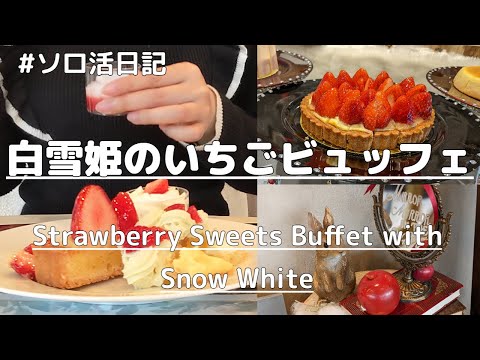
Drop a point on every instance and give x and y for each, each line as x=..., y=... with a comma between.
x=384, y=111
x=175, y=207
x=361, y=83
x=151, y=238
x=350, y=95
x=351, y=111
x=377, y=114
x=24, y=265
x=125, y=210
x=28, y=249
x=407, y=84
x=386, y=85
x=367, y=96
x=192, y=210
x=402, y=110
x=159, y=186
x=368, y=84
x=343, y=89
x=343, y=77
x=422, y=104
x=93, y=211
x=322, y=88
x=369, y=120
x=416, y=90
x=328, y=104
x=330, y=78
x=360, y=78
x=393, y=93
x=380, y=79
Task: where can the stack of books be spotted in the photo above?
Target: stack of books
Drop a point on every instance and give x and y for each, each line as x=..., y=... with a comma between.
x=441, y=301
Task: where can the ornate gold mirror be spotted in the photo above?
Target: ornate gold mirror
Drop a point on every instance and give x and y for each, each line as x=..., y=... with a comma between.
x=401, y=212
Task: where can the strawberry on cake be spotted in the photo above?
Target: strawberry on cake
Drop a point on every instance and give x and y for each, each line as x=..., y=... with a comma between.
x=359, y=113
x=93, y=211
x=69, y=269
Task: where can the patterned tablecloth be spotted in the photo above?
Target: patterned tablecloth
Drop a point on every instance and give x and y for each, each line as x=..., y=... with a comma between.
x=224, y=304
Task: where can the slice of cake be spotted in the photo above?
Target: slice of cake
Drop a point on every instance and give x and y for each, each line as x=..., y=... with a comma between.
x=69, y=269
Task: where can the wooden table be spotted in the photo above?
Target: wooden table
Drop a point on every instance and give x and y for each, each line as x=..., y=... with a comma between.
x=475, y=309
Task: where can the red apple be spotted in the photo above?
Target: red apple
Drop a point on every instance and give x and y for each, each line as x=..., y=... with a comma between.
x=378, y=292
x=424, y=273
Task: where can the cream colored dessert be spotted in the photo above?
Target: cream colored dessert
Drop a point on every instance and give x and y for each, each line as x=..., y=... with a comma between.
x=467, y=81
x=142, y=269
x=148, y=205
x=267, y=61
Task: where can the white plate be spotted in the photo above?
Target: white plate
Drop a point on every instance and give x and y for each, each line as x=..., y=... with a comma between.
x=115, y=291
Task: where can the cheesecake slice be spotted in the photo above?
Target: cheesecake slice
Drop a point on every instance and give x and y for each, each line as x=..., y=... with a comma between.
x=467, y=81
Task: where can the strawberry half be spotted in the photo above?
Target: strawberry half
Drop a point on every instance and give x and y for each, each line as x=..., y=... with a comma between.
x=192, y=210
x=386, y=85
x=367, y=96
x=380, y=79
x=328, y=104
x=368, y=84
x=420, y=88
x=175, y=207
x=351, y=94
x=322, y=88
x=24, y=265
x=159, y=186
x=330, y=78
x=360, y=78
x=393, y=93
x=407, y=84
x=351, y=111
x=93, y=211
x=150, y=237
x=377, y=114
x=402, y=110
x=125, y=210
x=422, y=104
x=343, y=77
x=343, y=89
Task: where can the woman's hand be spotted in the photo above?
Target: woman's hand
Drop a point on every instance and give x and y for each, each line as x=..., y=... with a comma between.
x=180, y=102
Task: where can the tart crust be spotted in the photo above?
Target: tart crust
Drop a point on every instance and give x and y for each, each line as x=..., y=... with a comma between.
x=357, y=138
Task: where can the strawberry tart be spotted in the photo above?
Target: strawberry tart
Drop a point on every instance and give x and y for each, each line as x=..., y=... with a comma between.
x=360, y=113
x=93, y=211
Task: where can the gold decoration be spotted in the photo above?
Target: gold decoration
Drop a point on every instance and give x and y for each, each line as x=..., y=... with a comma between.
x=334, y=278
x=411, y=289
